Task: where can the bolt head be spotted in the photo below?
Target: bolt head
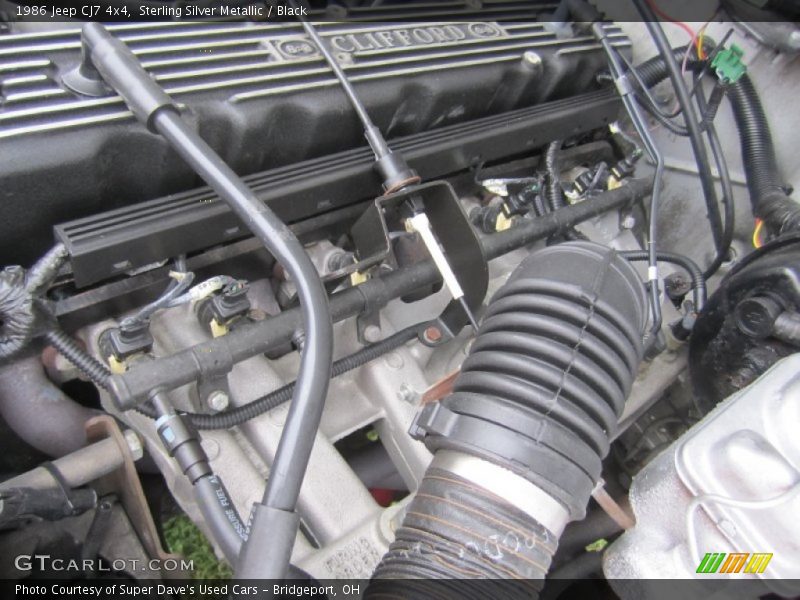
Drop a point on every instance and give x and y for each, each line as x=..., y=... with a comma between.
x=407, y=394
x=432, y=334
x=532, y=58
x=134, y=444
x=628, y=222
x=218, y=401
x=372, y=333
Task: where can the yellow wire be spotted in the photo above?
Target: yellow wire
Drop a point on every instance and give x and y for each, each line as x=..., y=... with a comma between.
x=700, y=38
x=757, y=233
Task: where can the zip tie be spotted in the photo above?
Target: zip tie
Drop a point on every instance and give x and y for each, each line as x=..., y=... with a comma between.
x=422, y=225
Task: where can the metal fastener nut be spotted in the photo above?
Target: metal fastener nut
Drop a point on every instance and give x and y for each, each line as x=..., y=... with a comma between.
x=628, y=222
x=218, y=401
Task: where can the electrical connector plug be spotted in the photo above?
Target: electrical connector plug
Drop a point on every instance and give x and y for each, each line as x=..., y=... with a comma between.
x=728, y=64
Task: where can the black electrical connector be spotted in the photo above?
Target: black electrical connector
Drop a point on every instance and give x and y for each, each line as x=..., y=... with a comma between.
x=224, y=307
x=20, y=505
x=122, y=343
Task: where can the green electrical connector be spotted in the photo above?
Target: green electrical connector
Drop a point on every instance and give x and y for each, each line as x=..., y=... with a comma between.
x=728, y=64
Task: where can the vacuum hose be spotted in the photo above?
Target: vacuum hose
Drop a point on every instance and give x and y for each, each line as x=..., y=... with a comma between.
x=770, y=202
x=518, y=445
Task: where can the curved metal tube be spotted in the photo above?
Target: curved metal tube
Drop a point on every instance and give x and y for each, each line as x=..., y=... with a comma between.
x=40, y=413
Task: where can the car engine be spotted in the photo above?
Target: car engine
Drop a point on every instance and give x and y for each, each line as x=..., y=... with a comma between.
x=404, y=293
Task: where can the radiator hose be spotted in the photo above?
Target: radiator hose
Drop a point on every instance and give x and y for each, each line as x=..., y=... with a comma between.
x=769, y=200
x=518, y=445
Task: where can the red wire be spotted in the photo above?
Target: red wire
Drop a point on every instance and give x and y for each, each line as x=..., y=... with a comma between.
x=667, y=17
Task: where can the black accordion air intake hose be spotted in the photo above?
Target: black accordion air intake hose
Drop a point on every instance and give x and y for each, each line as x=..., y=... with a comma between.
x=518, y=445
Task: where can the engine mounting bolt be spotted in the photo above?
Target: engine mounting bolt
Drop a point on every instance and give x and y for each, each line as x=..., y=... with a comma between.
x=532, y=58
x=432, y=334
x=218, y=401
x=134, y=444
x=372, y=333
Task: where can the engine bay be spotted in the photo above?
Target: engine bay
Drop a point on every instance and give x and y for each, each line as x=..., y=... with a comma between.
x=403, y=294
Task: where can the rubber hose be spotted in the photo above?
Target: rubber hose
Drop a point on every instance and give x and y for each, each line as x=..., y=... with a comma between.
x=692, y=122
x=708, y=110
x=242, y=414
x=768, y=199
x=555, y=346
x=226, y=526
x=38, y=411
x=698, y=279
x=778, y=211
x=121, y=69
x=538, y=398
x=471, y=525
x=727, y=192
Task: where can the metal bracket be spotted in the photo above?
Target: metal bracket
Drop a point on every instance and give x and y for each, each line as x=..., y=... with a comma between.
x=452, y=228
x=125, y=483
x=213, y=377
x=207, y=386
